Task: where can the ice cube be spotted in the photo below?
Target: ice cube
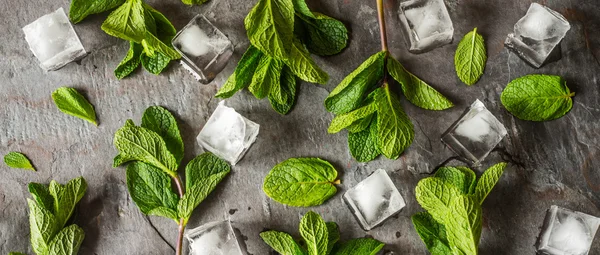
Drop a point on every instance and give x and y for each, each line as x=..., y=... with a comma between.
x=215, y=238
x=205, y=50
x=374, y=200
x=566, y=232
x=426, y=24
x=53, y=41
x=228, y=134
x=474, y=134
x=538, y=34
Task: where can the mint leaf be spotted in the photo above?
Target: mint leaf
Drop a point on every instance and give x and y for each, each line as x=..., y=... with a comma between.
x=287, y=86
x=267, y=73
x=301, y=7
x=155, y=64
x=301, y=182
x=470, y=58
x=269, y=26
x=152, y=44
x=488, y=180
x=537, y=97
x=16, y=253
x=463, y=224
x=18, y=160
x=363, y=145
x=192, y=2
x=360, y=246
x=242, y=76
x=435, y=196
x=164, y=28
x=71, y=102
x=137, y=143
x=41, y=195
x=66, y=198
x=150, y=189
x=432, y=233
x=303, y=66
x=333, y=235
x=313, y=230
x=130, y=62
x=67, y=241
x=325, y=35
x=163, y=123
x=395, y=131
x=345, y=120
x=350, y=92
x=415, y=90
x=281, y=242
x=127, y=22
x=43, y=227
x=80, y=9
x=462, y=178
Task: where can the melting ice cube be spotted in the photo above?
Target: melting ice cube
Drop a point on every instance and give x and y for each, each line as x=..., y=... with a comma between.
x=215, y=238
x=566, y=232
x=228, y=134
x=374, y=199
x=474, y=134
x=426, y=24
x=53, y=41
x=538, y=34
x=204, y=49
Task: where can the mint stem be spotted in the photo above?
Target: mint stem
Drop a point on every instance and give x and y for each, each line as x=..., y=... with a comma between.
x=382, y=31
x=181, y=228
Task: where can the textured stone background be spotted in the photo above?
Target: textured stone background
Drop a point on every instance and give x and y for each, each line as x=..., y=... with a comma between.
x=553, y=162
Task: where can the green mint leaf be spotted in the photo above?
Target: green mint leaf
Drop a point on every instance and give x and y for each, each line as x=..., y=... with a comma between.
x=42, y=225
x=137, y=143
x=152, y=45
x=80, y=9
x=155, y=64
x=287, y=86
x=130, y=62
x=71, y=102
x=432, y=233
x=325, y=36
x=349, y=94
x=150, y=189
x=281, y=242
x=360, y=246
x=303, y=66
x=269, y=26
x=463, y=224
x=345, y=120
x=192, y=2
x=163, y=123
x=301, y=182
x=416, y=90
x=16, y=253
x=301, y=7
x=488, y=180
x=395, y=131
x=313, y=230
x=127, y=22
x=537, y=97
x=149, y=21
x=333, y=235
x=18, y=160
x=470, y=58
x=66, y=198
x=242, y=76
x=267, y=73
x=462, y=178
x=164, y=28
x=67, y=241
x=41, y=195
x=363, y=145
x=361, y=124
x=435, y=195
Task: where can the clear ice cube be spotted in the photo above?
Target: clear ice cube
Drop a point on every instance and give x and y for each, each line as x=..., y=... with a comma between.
x=205, y=50
x=374, y=200
x=215, y=238
x=537, y=35
x=566, y=232
x=53, y=41
x=474, y=134
x=228, y=134
x=426, y=24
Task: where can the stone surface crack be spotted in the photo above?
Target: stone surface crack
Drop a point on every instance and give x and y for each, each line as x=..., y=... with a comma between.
x=158, y=232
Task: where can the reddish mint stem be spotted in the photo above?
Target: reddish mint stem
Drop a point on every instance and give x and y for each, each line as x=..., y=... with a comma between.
x=181, y=228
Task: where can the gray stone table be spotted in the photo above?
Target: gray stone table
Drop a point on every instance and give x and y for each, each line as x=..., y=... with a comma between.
x=555, y=162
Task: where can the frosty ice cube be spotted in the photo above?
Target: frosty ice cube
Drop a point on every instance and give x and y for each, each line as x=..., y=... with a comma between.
x=215, y=238
x=53, y=41
x=474, y=134
x=426, y=24
x=228, y=134
x=205, y=50
x=566, y=232
x=537, y=35
x=374, y=200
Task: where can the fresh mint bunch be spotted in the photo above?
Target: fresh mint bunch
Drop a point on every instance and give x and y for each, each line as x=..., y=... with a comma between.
x=320, y=238
x=282, y=34
x=155, y=150
x=148, y=31
x=49, y=212
x=453, y=199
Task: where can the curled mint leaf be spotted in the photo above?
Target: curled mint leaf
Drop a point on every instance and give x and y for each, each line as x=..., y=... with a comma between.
x=470, y=58
x=71, y=102
x=269, y=25
x=130, y=62
x=18, y=160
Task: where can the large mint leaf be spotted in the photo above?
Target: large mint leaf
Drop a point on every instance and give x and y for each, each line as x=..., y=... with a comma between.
x=301, y=182
x=288, y=87
x=313, y=230
x=537, y=97
x=18, y=160
x=67, y=241
x=333, y=235
x=488, y=180
x=242, y=76
x=150, y=188
x=269, y=26
x=268, y=72
x=281, y=242
x=127, y=22
x=303, y=66
x=432, y=233
x=71, y=102
x=137, y=143
x=66, y=198
x=363, y=144
x=470, y=58
x=324, y=35
x=130, y=62
x=349, y=94
x=43, y=227
x=163, y=123
x=360, y=246
x=416, y=90
x=395, y=131
x=345, y=120
x=463, y=224
x=82, y=8
x=435, y=196
x=462, y=178
x=41, y=195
